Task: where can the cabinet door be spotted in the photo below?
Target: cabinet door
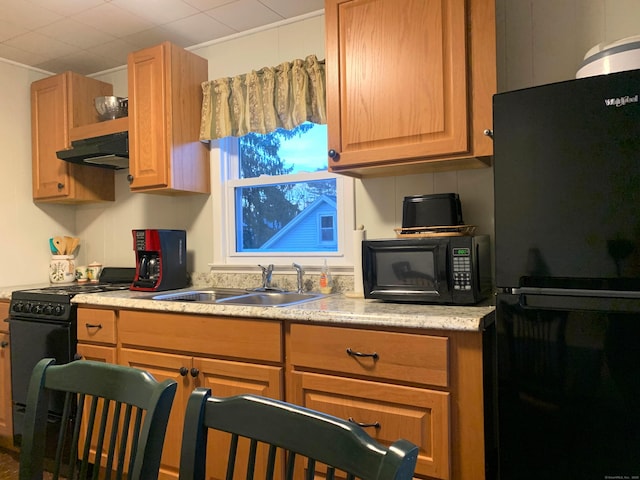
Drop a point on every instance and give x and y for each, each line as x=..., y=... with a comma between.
x=388, y=412
x=227, y=378
x=396, y=81
x=6, y=412
x=49, y=133
x=163, y=366
x=149, y=117
x=95, y=353
x=165, y=98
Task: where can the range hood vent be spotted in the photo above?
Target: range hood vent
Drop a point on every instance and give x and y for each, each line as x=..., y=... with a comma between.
x=108, y=151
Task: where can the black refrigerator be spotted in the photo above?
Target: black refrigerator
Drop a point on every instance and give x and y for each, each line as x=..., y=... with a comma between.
x=567, y=260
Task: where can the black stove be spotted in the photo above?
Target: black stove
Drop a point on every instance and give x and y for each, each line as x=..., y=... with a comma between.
x=53, y=303
x=42, y=324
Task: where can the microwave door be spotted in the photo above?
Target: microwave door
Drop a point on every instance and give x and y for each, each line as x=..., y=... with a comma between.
x=405, y=271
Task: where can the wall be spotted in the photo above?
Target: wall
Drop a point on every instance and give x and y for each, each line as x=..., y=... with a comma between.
x=538, y=41
x=25, y=228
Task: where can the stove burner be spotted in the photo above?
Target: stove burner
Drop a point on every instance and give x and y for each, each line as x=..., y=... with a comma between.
x=75, y=289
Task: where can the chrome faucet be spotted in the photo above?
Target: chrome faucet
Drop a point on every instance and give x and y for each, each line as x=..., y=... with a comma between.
x=299, y=272
x=266, y=276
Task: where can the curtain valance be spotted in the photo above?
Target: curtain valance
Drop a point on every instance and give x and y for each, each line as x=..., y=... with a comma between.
x=265, y=100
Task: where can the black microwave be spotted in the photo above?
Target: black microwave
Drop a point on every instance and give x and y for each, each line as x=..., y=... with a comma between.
x=454, y=270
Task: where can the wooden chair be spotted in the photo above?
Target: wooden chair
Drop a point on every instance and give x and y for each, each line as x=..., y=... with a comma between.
x=328, y=444
x=119, y=411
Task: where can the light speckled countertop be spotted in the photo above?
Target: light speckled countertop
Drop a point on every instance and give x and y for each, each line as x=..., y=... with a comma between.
x=337, y=309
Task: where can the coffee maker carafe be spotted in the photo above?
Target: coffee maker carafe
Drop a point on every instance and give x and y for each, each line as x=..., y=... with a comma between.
x=161, y=259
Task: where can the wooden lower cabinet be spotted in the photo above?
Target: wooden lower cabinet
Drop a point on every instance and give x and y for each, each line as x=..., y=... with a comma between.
x=425, y=386
x=192, y=364
x=6, y=410
x=401, y=383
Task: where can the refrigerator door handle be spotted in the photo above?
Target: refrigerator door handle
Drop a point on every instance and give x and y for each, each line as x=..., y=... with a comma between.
x=571, y=301
x=574, y=292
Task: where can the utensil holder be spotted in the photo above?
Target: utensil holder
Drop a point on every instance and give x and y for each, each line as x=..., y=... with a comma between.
x=62, y=269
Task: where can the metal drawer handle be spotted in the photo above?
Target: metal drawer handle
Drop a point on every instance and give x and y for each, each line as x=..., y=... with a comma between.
x=4, y=344
x=365, y=425
x=353, y=353
x=93, y=325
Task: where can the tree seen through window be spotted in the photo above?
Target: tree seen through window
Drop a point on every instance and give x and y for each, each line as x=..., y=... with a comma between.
x=280, y=214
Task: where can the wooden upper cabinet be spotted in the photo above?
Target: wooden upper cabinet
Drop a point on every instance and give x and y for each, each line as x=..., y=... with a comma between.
x=165, y=99
x=58, y=104
x=409, y=84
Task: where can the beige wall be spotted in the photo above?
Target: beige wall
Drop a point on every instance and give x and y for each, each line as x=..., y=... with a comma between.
x=25, y=228
x=539, y=41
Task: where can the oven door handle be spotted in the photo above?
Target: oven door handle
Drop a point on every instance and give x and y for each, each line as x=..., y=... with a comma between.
x=62, y=323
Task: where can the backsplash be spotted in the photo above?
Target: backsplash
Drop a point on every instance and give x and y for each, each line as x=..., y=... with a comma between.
x=341, y=283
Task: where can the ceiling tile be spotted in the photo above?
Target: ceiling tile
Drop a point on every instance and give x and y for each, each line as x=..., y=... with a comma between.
x=199, y=28
x=289, y=9
x=26, y=14
x=113, y=20
x=10, y=30
x=66, y=8
x=75, y=33
x=158, y=11
x=244, y=15
x=20, y=56
x=35, y=42
x=204, y=5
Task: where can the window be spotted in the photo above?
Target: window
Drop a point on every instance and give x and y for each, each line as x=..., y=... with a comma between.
x=280, y=201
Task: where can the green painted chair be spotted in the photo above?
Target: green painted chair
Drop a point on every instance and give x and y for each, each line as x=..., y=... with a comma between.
x=123, y=411
x=275, y=435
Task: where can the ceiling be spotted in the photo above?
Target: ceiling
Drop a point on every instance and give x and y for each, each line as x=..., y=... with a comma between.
x=89, y=36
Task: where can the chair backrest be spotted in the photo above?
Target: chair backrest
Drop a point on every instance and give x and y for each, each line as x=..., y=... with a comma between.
x=119, y=411
x=333, y=445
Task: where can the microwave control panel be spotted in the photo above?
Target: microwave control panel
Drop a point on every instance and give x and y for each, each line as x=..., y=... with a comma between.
x=461, y=262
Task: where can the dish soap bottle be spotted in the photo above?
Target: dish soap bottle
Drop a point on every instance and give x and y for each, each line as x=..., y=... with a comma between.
x=325, y=279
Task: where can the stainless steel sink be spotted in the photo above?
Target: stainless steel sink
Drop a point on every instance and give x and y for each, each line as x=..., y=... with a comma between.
x=230, y=296
x=271, y=299
x=200, y=296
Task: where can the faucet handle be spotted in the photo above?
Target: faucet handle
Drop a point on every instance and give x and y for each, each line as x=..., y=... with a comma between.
x=266, y=275
x=299, y=272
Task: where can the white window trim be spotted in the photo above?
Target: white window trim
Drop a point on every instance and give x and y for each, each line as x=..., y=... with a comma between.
x=224, y=256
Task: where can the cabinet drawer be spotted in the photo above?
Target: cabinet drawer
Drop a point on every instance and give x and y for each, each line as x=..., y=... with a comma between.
x=97, y=353
x=416, y=414
x=202, y=334
x=398, y=356
x=96, y=325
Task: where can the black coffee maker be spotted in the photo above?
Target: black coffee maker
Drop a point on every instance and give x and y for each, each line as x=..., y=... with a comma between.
x=161, y=260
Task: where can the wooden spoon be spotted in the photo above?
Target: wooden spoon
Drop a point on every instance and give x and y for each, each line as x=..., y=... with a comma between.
x=67, y=244
x=72, y=244
x=60, y=245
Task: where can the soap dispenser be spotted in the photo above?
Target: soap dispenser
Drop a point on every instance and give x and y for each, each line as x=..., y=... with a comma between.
x=325, y=279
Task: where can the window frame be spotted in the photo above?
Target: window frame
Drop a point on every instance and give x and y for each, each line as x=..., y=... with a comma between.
x=225, y=256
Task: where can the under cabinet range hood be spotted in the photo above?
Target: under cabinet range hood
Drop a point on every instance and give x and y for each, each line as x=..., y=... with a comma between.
x=108, y=151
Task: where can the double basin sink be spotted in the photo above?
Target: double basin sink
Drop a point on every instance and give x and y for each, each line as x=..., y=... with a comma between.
x=231, y=296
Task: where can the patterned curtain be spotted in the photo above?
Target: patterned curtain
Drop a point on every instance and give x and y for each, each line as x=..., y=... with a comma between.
x=265, y=100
